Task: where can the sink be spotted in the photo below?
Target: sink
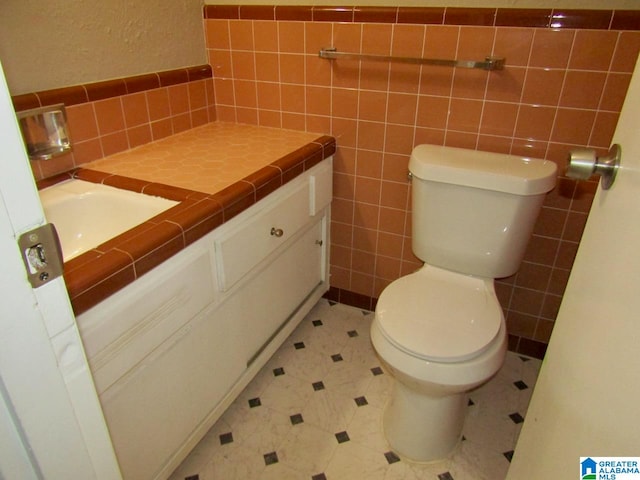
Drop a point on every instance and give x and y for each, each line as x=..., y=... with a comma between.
x=87, y=214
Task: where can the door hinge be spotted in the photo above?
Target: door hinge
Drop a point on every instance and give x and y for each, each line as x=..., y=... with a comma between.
x=41, y=254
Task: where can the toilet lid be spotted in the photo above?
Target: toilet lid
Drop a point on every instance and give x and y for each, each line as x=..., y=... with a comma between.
x=439, y=315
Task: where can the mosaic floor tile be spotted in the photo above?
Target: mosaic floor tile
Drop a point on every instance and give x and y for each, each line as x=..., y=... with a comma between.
x=321, y=398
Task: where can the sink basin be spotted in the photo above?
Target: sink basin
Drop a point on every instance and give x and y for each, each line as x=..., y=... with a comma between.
x=87, y=214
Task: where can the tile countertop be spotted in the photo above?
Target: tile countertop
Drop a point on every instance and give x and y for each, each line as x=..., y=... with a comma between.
x=216, y=171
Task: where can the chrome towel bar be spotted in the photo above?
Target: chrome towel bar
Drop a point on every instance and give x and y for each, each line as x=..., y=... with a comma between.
x=489, y=63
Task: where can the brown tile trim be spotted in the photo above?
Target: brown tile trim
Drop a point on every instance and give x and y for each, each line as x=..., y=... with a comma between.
x=503, y=17
x=149, y=241
x=91, y=175
x=26, y=101
x=332, y=14
x=90, y=92
x=98, y=273
x=593, y=19
x=626, y=20
x=470, y=16
x=300, y=13
x=92, y=279
x=353, y=299
x=200, y=72
x=265, y=181
x=67, y=95
x=375, y=14
x=140, y=83
x=173, y=77
x=126, y=183
x=526, y=346
x=172, y=193
x=47, y=182
x=224, y=12
x=257, y=12
x=196, y=218
x=106, y=89
x=328, y=144
x=235, y=199
x=521, y=17
x=421, y=15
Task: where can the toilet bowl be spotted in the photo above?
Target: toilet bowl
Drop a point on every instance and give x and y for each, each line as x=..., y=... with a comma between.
x=440, y=332
x=438, y=347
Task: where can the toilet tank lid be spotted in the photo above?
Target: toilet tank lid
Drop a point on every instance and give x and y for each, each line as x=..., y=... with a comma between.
x=490, y=171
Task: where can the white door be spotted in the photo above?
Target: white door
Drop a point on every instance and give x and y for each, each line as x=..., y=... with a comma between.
x=587, y=398
x=51, y=424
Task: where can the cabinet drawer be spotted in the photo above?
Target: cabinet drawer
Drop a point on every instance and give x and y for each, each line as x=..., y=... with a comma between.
x=242, y=248
x=264, y=303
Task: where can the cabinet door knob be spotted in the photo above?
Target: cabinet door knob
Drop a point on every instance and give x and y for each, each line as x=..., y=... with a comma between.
x=277, y=232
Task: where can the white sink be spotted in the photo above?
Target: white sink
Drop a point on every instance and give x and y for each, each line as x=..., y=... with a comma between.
x=87, y=214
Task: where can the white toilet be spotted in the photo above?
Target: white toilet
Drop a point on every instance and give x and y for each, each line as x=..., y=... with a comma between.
x=440, y=331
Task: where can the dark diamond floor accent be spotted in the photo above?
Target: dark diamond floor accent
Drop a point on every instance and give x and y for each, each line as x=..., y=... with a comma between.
x=192, y=477
x=278, y=371
x=226, y=438
x=319, y=476
x=298, y=345
x=470, y=403
x=254, y=402
x=342, y=437
x=361, y=401
x=520, y=385
x=352, y=333
x=337, y=357
x=445, y=476
x=270, y=458
x=318, y=386
x=317, y=323
x=391, y=457
x=296, y=419
x=508, y=455
x=516, y=417
x=377, y=371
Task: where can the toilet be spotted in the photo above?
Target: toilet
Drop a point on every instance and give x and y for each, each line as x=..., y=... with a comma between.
x=440, y=332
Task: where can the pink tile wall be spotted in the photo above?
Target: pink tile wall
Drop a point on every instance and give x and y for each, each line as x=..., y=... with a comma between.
x=113, y=116
x=561, y=88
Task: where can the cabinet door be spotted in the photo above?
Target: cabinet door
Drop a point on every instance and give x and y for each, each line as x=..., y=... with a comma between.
x=154, y=409
x=263, y=305
x=123, y=330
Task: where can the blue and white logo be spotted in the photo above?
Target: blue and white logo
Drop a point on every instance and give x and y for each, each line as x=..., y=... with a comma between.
x=609, y=468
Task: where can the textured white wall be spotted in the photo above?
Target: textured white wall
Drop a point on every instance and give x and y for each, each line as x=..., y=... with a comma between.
x=57, y=43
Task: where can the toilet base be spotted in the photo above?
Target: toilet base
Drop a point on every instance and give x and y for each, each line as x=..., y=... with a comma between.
x=423, y=428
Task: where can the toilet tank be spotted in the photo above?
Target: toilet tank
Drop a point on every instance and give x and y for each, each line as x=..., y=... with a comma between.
x=473, y=212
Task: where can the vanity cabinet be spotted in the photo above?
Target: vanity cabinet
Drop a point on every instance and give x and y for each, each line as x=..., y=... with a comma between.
x=171, y=351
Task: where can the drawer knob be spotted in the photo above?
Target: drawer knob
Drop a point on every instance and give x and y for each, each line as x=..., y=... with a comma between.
x=277, y=232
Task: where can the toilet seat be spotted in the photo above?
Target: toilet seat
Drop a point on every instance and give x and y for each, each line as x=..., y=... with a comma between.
x=438, y=315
